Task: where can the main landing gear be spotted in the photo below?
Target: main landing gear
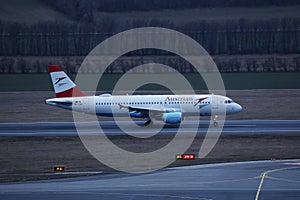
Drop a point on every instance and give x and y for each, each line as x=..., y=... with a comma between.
x=149, y=122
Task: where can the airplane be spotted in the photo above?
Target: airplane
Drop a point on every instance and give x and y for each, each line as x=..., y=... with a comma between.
x=171, y=109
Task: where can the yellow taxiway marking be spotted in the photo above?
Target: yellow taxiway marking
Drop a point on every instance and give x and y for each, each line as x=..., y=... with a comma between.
x=265, y=175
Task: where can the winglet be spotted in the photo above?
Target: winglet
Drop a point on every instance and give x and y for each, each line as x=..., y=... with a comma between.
x=62, y=84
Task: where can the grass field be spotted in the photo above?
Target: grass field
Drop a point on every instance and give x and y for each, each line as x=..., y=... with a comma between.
x=232, y=81
x=33, y=158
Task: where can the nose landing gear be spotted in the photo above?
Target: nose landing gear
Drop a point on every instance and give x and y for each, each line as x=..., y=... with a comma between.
x=215, y=120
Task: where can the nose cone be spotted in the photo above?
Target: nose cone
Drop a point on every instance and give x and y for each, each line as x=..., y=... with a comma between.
x=238, y=107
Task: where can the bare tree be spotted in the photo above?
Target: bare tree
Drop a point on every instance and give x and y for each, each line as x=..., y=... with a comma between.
x=23, y=65
x=297, y=63
x=68, y=66
x=281, y=64
x=269, y=65
x=6, y=64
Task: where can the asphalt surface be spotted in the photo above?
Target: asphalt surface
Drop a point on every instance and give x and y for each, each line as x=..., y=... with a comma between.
x=242, y=180
x=245, y=180
x=110, y=128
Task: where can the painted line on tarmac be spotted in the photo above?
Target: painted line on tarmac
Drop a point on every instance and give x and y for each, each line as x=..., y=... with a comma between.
x=163, y=132
x=240, y=125
x=130, y=195
x=264, y=176
x=54, y=173
x=292, y=163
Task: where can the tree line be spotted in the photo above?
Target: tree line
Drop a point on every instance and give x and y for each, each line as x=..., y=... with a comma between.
x=123, y=64
x=230, y=37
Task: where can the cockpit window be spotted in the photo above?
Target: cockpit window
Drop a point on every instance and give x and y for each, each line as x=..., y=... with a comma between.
x=228, y=101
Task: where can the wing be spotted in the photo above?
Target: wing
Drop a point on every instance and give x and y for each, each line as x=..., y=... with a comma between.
x=145, y=112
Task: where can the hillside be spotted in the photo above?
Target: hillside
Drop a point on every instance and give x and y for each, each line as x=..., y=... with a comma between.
x=29, y=11
x=242, y=36
x=179, y=17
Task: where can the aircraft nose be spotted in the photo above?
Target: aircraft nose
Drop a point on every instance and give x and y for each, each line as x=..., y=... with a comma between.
x=238, y=107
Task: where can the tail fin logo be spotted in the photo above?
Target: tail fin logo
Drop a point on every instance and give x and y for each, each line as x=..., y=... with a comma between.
x=58, y=80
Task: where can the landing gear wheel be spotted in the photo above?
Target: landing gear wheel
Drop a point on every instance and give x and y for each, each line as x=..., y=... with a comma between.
x=215, y=121
x=148, y=122
x=215, y=124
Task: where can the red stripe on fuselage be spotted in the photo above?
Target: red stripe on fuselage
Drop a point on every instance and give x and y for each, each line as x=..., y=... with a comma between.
x=73, y=92
x=202, y=99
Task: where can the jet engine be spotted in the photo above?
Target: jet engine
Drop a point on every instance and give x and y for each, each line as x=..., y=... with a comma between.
x=172, y=117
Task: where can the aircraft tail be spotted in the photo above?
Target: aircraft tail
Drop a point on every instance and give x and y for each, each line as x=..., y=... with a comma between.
x=62, y=84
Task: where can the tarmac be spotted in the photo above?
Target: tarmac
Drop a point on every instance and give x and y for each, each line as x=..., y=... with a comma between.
x=278, y=179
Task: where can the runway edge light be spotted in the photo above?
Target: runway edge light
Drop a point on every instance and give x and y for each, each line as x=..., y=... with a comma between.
x=59, y=168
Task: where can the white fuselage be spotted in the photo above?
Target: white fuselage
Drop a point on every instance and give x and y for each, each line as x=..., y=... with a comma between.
x=107, y=105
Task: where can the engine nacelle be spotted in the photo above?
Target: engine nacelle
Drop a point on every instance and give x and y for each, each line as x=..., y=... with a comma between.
x=172, y=117
x=136, y=114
